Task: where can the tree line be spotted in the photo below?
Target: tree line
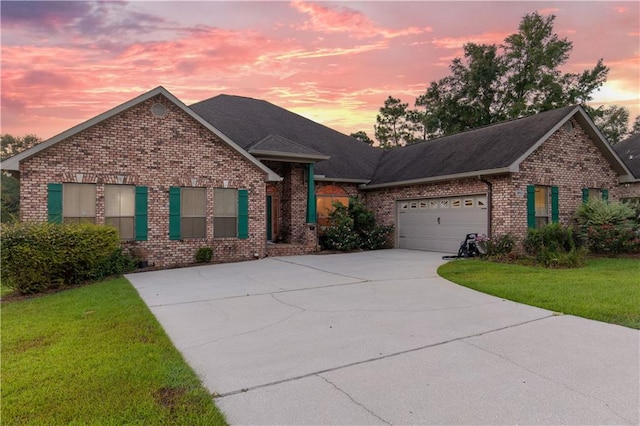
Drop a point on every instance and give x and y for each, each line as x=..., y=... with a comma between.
x=9, y=186
x=494, y=83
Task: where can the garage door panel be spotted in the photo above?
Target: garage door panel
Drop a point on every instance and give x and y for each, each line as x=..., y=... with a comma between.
x=440, y=224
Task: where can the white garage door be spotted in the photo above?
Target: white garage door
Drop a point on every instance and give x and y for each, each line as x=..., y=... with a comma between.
x=440, y=224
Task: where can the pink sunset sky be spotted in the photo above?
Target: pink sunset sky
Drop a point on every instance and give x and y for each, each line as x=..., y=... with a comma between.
x=333, y=62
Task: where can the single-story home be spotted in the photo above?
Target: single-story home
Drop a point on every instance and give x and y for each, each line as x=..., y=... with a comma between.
x=251, y=179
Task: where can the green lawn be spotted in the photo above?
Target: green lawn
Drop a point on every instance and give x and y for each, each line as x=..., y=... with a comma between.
x=605, y=289
x=95, y=355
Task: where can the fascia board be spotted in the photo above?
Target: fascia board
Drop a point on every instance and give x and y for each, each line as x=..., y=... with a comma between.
x=288, y=156
x=478, y=173
x=322, y=178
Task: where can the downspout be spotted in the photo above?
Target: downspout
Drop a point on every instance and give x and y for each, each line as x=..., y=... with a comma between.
x=489, y=203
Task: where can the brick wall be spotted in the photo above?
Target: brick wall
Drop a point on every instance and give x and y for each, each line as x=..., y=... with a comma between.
x=292, y=191
x=568, y=160
x=157, y=152
x=629, y=190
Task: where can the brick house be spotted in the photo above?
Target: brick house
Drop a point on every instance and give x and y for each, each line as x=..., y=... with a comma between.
x=250, y=179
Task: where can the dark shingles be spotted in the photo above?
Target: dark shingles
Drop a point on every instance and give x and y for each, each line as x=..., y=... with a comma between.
x=277, y=143
x=247, y=121
x=492, y=147
x=629, y=152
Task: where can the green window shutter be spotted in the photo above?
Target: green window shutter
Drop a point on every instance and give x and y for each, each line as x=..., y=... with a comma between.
x=141, y=206
x=555, y=205
x=174, y=213
x=531, y=206
x=585, y=195
x=605, y=195
x=243, y=214
x=54, y=202
x=311, y=195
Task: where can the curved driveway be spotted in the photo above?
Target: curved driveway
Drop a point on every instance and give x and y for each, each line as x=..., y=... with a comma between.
x=378, y=338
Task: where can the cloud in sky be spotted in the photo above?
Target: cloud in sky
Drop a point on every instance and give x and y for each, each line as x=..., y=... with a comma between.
x=335, y=62
x=342, y=19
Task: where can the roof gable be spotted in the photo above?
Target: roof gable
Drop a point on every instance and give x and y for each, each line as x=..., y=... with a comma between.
x=248, y=121
x=278, y=147
x=13, y=163
x=495, y=149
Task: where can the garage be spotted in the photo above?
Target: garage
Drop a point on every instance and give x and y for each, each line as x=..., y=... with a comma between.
x=440, y=224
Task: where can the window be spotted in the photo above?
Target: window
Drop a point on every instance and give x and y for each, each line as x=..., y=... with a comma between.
x=225, y=213
x=542, y=205
x=119, y=209
x=594, y=194
x=78, y=203
x=193, y=213
x=325, y=197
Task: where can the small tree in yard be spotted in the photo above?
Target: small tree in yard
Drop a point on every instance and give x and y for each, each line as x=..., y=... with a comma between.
x=354, y=227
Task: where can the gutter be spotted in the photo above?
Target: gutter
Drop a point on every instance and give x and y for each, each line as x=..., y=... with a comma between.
x=474, y=174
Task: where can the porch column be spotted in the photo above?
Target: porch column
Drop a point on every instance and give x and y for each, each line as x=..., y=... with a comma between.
x=311, y=195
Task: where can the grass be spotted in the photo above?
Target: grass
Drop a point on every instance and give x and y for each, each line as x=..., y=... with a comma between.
x=95, y=355
x=605, y=289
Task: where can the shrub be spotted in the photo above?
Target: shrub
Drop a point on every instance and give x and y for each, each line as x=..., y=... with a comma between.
x=554, y=237
x=497, y=246
x=611, y=239
x=554, y=245
x=204, y=254
x=341, y=234
x=598, y=212
x=41, y=256
x=354, y=227
x=608, y=227
x=376, y=238
x=118, y=262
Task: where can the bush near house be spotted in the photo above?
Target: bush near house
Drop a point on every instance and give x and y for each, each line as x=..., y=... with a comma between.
x=354, y=227
x=554, y=246
x=38, y=257
x=498, y=247
x=608, y=228
x=204, y=255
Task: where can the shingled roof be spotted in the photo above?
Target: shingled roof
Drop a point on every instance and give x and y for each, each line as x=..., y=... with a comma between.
x=278, y=147
x=629, y=152
x=248, y=121
x=495, y=149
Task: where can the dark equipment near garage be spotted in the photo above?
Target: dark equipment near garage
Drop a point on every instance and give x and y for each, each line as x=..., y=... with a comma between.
x=468, y=248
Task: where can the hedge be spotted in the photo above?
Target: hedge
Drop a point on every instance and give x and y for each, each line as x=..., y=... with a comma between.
x=38, y=257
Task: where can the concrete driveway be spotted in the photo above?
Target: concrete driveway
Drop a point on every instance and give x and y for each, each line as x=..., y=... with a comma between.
x=379, y=338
